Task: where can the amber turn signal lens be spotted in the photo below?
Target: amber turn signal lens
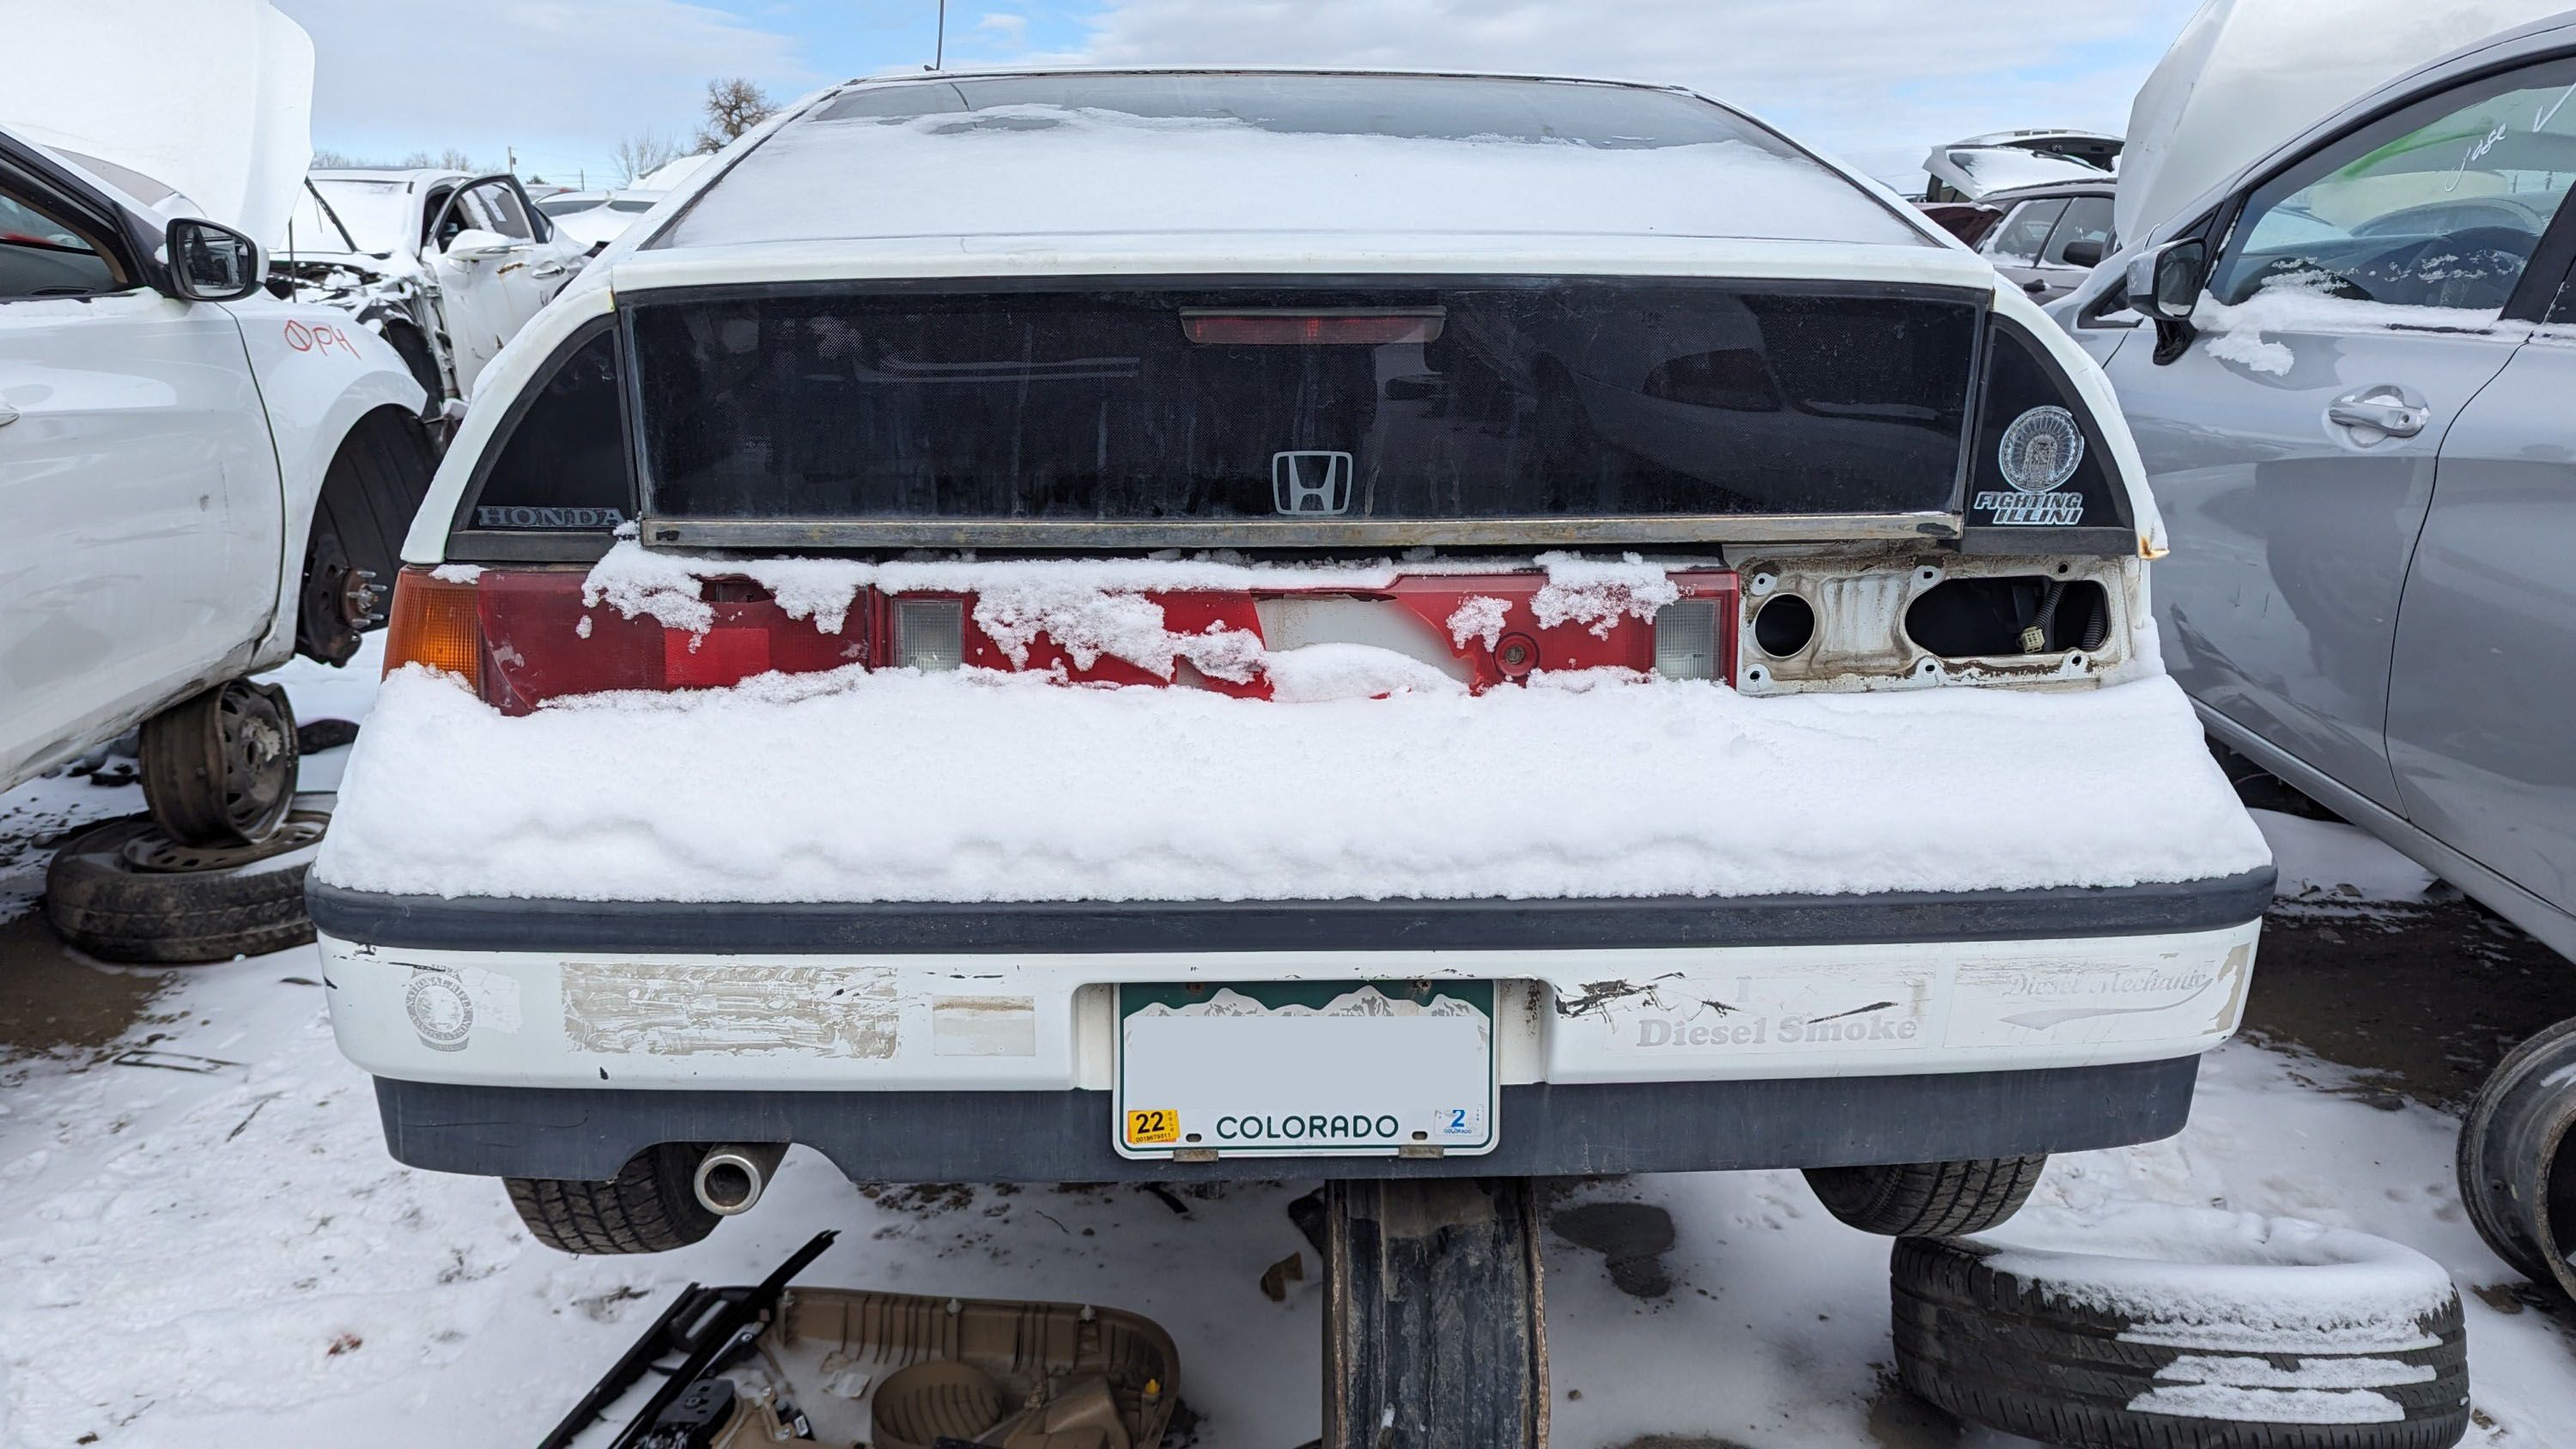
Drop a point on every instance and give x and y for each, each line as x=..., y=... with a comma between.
x=435, y=623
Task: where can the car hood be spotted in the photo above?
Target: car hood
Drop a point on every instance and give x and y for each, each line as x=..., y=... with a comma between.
x=2247, y=75
x=211, y=98
x=1973, y=170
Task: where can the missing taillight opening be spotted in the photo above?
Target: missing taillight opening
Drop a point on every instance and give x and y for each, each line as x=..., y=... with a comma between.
x=1784, y=625
x=1352, y=327
x=1977, y=618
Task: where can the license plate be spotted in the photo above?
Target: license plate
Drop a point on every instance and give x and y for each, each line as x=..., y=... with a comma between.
x=1306, y=1069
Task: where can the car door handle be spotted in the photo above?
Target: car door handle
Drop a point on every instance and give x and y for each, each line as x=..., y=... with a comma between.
x=2387, y=409
x=548, y=269
x=8, y=415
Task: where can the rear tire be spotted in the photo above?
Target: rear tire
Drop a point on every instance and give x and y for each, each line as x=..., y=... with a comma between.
x=649, y=1207
x=1434, y=1326
x=1927, y=1199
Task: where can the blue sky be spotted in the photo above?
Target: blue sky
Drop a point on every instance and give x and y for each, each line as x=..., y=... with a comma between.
x=558, y=82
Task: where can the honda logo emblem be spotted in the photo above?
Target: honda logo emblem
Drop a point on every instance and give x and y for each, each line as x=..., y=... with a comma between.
x=1310, y=482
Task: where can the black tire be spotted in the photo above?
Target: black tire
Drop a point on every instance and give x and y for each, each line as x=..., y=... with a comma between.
x=1927, y=1199
x=2020, y=1351
x=219, y=767
x=373, y=487
x=413, y=349
x=123, y=891
x=2517, y=1160
x=1434, y=1328
x=649, y=1207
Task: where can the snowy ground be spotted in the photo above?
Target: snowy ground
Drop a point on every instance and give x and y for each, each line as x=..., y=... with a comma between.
x=203, y=1242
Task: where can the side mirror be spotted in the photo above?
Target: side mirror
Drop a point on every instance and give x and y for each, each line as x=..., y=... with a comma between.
x=210, y=263
x=474, y=245
x=2085, y=254
x=2164, y=283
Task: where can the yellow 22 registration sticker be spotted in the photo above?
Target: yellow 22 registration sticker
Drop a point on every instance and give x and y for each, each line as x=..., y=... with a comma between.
x=1159, y=1125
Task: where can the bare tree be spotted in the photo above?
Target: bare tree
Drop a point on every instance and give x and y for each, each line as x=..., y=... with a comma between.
x=641, y=153
x=733, y=107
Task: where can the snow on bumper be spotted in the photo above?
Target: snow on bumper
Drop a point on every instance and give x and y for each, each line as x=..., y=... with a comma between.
x=979, y=787
x=1018, y=1022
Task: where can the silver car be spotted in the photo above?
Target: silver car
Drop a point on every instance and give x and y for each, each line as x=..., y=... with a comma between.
x=2348, y=371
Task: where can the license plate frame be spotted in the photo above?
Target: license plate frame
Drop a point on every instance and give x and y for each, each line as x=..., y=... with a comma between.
x=1386, y=1068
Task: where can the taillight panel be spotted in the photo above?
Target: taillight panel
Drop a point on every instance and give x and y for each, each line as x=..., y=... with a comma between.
x=522, y=637
x=1887, y=621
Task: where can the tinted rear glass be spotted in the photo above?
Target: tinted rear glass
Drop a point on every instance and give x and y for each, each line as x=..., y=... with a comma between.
x=1572, y=399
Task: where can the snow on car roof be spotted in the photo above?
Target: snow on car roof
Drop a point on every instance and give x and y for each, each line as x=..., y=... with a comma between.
x=1070, y=153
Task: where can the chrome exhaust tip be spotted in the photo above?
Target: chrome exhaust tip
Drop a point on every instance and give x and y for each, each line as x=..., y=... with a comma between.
x=732, y=1177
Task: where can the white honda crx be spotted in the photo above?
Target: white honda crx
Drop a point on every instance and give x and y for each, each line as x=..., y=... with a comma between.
x=1192, y=625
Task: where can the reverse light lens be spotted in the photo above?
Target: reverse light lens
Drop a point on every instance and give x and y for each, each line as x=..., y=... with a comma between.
x=1686, y=639
x=1367, y=327
x=435, y=622
x=929, y=633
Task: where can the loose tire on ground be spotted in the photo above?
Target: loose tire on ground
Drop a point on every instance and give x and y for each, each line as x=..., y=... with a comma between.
x=123, y=891
x=2517, y=1161
x=1927, y=1199
x=648, y=1208
x=1435, y=1333
x=2030, y=1342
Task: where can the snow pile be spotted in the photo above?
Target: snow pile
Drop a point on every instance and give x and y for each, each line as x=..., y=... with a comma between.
x=1480, y=618
x=1595, y=593
x=1003, y=170
x=2297, y=302
x=980, y=785
x=670, y=586
x=2202, y=1278
x=1316, y=673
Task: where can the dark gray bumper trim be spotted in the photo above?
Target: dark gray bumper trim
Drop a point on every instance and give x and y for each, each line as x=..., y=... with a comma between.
x=1547, y=1131
x=500, y=924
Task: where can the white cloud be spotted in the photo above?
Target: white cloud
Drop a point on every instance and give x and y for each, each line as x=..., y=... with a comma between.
x=1007, y=28
x=1846, y=74
x=559, y=79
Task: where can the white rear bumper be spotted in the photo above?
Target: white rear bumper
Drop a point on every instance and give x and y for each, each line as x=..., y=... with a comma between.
x=1025, y=1021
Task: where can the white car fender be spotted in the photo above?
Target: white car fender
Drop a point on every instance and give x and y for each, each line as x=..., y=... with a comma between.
x=319, y=371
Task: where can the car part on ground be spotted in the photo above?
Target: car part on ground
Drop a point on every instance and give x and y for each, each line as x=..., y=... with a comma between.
x=2184, y=1328
x=2518, y=1159
x=124, y=891
x=219, y=768
x=1927, y=1199
x=651, y=1206
x=1434, y=1315
x=899, y=1371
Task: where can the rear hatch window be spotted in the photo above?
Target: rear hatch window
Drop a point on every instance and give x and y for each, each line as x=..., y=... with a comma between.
x=1574, y=399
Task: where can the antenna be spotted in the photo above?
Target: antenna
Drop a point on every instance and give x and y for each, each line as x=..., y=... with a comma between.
x=939, y=48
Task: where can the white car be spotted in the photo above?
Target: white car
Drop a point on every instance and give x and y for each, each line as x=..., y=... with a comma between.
x=446, y=266
x=1195, y=625
x=596, y=218
x=196, y=480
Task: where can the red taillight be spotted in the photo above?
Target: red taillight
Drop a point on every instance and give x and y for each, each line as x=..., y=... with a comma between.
x=522, y=636
x=434, y=623
x=1362, y=327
